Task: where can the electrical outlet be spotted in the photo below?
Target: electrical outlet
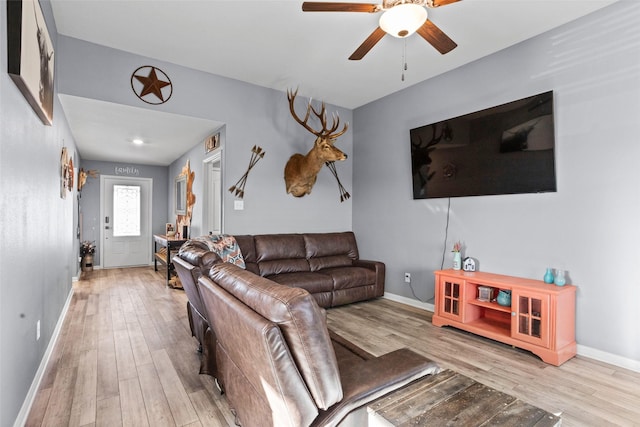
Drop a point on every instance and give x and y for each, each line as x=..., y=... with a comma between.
x=37, y=330
x=407, y=277
x=238, y=205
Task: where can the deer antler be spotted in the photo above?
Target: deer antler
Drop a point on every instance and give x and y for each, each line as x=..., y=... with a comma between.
x=327, y=133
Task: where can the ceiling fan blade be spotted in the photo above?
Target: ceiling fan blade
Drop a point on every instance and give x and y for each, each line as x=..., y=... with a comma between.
x=434, y=35
x=312, y=6
x=366, y=46
x=438, y=3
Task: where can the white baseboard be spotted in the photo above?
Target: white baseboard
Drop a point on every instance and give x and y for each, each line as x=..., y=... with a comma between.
x=612, y=359
x=21, y=420
x=584, y=351
x=409, y=301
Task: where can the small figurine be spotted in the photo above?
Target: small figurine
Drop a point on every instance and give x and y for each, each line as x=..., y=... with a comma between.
x=469, y=264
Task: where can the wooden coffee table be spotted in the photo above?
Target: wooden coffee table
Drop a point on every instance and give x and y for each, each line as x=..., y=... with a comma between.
x=449, y=398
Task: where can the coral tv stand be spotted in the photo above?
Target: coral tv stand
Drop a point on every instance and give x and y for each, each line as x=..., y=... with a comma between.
x=541, y=318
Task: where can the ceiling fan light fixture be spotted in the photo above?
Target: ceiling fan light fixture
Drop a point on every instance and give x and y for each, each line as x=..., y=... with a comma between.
x=403, y=19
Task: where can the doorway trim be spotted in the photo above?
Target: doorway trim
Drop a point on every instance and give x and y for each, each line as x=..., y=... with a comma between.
x=146, y=221
x=207, y=164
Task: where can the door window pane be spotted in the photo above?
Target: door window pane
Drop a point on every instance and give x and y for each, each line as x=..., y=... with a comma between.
x=126, y=210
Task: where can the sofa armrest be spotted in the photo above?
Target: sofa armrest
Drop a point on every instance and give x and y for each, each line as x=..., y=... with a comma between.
x=198, y=254
x=379, y=268
x=362, y=383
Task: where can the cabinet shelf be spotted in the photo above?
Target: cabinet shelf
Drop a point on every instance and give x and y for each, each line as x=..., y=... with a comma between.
x=492, y=326
x=490, y=305
x=541, y=318
x=161, y=255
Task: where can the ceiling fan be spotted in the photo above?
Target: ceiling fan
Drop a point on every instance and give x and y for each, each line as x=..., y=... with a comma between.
x=401, y=18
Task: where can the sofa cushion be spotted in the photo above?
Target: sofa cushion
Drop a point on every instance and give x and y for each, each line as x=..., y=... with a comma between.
x=279, y=246
x=320, y=286
x=316, y=264
x=312, y=282
x=325, y=244
x=280, y=253
x=324, y=250
x=248, y=248
x=350, y=277
x=281, y=266
x=301, y=320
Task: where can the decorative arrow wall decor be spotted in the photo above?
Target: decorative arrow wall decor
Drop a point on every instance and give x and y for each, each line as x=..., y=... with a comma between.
x=344, y=194
x=256, y=154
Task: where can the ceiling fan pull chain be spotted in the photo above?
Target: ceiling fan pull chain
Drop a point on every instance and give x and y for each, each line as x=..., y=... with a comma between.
x=404, y=57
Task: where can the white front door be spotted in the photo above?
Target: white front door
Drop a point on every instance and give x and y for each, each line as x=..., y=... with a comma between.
x=126, y=221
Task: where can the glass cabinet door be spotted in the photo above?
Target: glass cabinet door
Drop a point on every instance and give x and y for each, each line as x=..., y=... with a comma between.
x=531, y=322
x=451, y=299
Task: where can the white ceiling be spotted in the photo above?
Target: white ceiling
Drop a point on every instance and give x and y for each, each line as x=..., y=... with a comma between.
x=272, y=43
x=105, y=131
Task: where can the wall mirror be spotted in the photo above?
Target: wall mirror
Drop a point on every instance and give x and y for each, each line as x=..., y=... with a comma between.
x=181, y=195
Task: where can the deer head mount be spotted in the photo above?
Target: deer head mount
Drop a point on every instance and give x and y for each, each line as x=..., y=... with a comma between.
x=301, y=171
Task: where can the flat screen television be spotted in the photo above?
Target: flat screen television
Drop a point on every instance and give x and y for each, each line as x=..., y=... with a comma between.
x=507, y=149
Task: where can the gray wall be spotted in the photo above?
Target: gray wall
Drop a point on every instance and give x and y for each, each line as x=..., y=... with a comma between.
x=589, y=227
x=38, y=248
x=252, y=115
x=90, y=199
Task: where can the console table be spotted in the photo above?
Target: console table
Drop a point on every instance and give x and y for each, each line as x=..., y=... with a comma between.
x=162, y=248
x=541, y=317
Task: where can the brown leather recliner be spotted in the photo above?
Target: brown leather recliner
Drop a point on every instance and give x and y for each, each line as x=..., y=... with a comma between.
x=192, y=260
x=327, y=265
x=280, y=366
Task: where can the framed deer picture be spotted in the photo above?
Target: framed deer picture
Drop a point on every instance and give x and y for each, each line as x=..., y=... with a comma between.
x=211, y=143
x=30, y=56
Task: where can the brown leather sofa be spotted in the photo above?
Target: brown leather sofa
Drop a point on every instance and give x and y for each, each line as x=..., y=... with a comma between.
x=327, y=265
x=279, y=363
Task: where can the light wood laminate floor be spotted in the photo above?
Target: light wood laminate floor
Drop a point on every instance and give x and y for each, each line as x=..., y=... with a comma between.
x=125, y=356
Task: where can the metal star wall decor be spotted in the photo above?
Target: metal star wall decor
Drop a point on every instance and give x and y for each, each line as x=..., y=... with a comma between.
x=149, y=82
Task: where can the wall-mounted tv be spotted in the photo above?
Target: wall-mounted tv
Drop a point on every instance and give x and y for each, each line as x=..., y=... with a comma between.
x=507, y=149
